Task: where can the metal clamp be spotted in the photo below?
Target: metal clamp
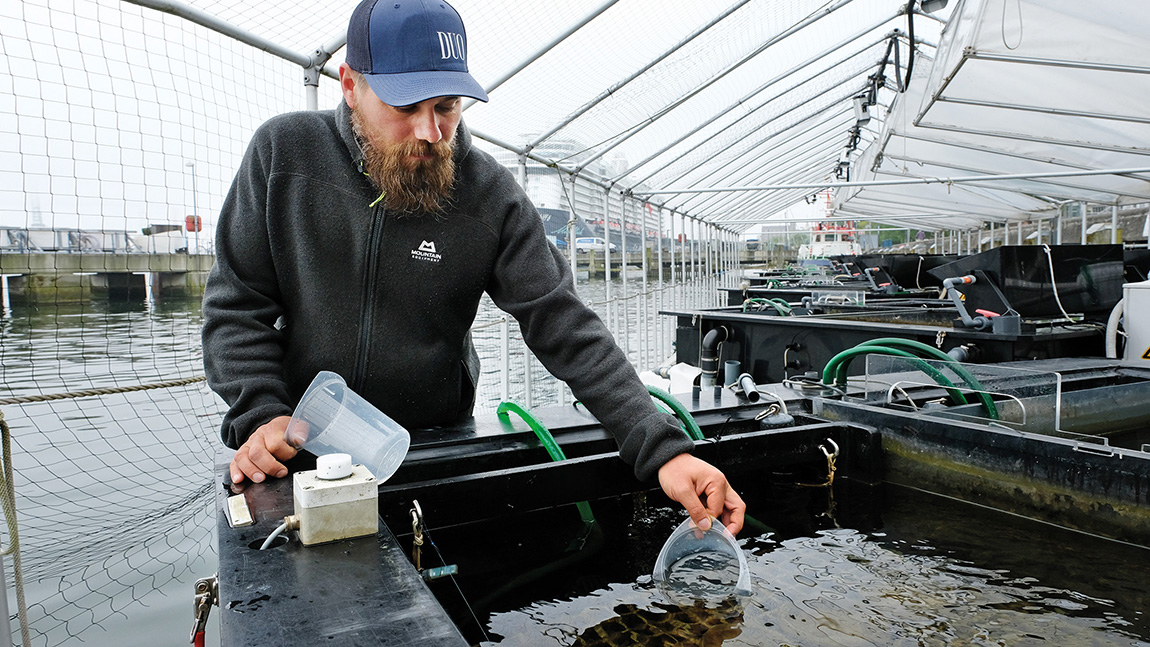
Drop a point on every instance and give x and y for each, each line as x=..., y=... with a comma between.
x=772, y=409
x=417, y=535
x=207, y=595
x=831, y=456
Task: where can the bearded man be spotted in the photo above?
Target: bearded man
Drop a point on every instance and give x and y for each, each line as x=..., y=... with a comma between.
x=360, y=240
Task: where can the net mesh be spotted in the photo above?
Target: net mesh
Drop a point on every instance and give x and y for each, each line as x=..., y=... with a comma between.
x=117, y=123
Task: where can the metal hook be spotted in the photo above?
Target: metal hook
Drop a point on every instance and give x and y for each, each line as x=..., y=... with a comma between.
x=417, y=534
x=830, y=455
x=769, y=411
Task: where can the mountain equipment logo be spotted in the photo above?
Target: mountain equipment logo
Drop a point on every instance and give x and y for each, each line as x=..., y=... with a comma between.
x=426, y=252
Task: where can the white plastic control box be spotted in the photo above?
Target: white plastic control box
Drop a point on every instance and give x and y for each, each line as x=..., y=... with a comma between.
x=1136, y=321
x=334, y=509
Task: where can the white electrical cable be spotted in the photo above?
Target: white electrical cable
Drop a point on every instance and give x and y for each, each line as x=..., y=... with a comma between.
x=1054, y=284
x=1112, y=331
x=272, y=537
x=776, y=396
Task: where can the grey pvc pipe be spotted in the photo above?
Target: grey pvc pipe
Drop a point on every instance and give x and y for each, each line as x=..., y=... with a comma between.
x=750, y=389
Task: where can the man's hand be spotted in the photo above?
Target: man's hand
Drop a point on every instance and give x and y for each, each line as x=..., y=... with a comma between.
x=260, y=456
x=703, y=491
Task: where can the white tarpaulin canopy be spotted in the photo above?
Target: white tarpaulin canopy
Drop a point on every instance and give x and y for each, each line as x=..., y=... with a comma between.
x=726, y=112
x=1019, y=87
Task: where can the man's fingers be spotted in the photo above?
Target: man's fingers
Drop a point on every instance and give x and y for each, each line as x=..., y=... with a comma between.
x=265, y=462
x=273, y=440
x=242, y=466
x=236, y=473
x=699, y=514
x=716, y=494
x=257, y=458
x=735, y=514
x=275, y=445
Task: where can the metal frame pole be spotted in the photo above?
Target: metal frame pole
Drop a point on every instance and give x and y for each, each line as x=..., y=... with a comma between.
x=505, y=354
x=683, y=260
x=546, y=48
x=571, y=235
x=528, y=382
x=641, y=303
x=607, y=258
x=1113, y=224
x=625, y=330
x=660, y=300
x=708, y=234
x=1082, y=205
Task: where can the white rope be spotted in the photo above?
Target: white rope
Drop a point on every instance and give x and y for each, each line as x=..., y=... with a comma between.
x=8, y=499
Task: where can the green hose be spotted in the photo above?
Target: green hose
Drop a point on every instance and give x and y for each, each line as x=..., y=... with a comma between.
x=781, y=302
x=691, y=428
x=748, y=302
x=548, y=442
x=684, y=416
x=835, y=371
x=957, y=367
x=781, y=309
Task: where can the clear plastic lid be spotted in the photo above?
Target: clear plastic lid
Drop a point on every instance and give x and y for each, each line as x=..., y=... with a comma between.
x=701, y=566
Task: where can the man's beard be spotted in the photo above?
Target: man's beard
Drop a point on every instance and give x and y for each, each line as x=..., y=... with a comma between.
x=410, y=186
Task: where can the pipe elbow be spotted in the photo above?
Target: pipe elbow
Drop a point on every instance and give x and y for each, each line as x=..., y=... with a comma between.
x=958, y=280
x=965, y=353
x=709, y=356
x=713, y=337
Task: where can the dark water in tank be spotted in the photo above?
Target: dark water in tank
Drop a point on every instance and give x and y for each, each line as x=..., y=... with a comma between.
x=870, y=566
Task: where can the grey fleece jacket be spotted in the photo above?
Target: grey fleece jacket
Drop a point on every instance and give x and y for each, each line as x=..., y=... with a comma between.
x=310, y=276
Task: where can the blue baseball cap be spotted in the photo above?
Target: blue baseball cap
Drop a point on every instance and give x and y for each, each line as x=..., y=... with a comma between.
x=410, y=51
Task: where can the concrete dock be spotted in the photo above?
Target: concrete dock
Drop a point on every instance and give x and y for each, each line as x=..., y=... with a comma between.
x=57, y=277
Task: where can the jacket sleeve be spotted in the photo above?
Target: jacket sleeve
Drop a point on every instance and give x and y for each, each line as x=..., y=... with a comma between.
x=243, y=349
x=533, y=283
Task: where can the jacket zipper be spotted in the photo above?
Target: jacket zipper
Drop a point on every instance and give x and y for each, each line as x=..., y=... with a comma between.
x=368, y=299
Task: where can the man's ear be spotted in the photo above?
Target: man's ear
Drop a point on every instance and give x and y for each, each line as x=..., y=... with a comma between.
x=347, y=84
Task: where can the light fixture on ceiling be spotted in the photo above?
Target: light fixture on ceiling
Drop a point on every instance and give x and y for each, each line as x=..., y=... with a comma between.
x=843, y=170
x=931, y=6
x=862, y=114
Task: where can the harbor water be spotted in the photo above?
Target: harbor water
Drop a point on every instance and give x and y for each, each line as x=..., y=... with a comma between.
x=113, y=489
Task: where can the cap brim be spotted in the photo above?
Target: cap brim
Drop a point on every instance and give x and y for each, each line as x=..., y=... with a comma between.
x=412, y=87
